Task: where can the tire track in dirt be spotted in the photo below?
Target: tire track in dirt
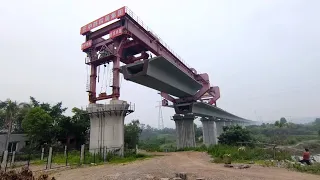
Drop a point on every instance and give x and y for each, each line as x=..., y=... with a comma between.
x=195, y=164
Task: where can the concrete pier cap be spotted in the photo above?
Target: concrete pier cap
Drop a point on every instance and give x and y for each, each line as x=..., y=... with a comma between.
x=107, y=126
x=185, y=130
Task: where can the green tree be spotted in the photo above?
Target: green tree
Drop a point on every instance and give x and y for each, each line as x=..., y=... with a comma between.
x=23, y=110
x=232, y=135
x=2, y=119
x=38, y=125
x=317, y=121
x=56, y=111
x=10, y=110
x=283, y=122
x=76, y=127
x=131, y=133
x=197, y=132
x=277, y=123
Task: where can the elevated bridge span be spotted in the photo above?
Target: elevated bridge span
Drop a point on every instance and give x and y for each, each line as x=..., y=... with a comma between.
x=121, y=37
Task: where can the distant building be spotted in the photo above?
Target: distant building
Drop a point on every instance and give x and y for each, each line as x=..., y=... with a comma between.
x=16, y=142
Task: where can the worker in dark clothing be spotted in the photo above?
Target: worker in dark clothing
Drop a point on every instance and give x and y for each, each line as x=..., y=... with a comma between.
x=306, y=157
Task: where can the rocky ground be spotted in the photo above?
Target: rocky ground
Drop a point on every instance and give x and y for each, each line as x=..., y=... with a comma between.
x=195, y=164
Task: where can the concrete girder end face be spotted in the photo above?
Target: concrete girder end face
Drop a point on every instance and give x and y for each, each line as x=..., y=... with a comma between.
x=160, y=74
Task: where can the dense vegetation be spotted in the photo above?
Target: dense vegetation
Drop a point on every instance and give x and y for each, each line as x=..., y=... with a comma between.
x=44, y=123
x=233, y=135
x=153, y=139
x=280, y=133
x=286, y=133
x=47, y=124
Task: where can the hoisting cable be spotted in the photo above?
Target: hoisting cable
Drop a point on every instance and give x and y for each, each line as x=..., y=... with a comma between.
x=110, y=78
x=98, y=73
x=88, y=77
x=107, y=77
x=103, y=76
x=121, y=77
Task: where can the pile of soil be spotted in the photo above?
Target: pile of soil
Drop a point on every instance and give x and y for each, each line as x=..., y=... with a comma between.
x=23, y=174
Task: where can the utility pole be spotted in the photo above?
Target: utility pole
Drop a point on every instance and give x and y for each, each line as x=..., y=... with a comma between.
x=160, y=116
x=9, y=132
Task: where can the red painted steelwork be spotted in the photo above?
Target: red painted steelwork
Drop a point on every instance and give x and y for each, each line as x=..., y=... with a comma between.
x=216, y=91
x=103, y=20
x=147, y=39
x=116, y=32
x=129, y=37
x=93, y=84
x=104, y=31
x=86, y=45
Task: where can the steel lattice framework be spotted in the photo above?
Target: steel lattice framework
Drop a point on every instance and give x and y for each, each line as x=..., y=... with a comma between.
x=130, y=40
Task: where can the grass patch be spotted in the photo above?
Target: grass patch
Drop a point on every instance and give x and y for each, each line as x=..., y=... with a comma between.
x=241, y=156
x=89, y=158
x=248, y=154
x=265, y=157
x=117, y=159
x=313, y=169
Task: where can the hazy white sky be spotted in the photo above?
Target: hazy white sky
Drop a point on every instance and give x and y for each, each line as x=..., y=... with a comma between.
x=263, y=54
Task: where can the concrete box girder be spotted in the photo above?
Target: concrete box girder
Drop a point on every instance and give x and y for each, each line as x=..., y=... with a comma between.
x=206, y=110
x=160, y=74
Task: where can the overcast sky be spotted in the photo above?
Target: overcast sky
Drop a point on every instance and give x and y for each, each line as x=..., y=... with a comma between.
x=263, y=54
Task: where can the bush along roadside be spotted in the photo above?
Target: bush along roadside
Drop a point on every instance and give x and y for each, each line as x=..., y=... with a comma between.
x=293, y=165
x=265, y=157
x=243, y=154
x=240, y=154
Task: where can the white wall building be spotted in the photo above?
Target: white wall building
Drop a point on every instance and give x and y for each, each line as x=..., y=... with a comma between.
x=16, y=142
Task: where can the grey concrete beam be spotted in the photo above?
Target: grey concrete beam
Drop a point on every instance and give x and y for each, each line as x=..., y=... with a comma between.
x=206, y=110
x=160, y=74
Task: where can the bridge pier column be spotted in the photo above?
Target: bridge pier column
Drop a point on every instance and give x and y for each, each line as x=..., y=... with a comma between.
x=219, y=127
x=107, y=126
x=209, y=131
x=241, y=124
x=184, y=131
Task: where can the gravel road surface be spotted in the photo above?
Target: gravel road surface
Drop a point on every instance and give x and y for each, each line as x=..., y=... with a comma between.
x=195, y=164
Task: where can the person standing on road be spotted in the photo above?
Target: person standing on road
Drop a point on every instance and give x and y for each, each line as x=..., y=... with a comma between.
x=306, y=157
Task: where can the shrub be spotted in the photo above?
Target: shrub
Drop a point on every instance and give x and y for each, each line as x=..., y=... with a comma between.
x=247, y=154
x=314, y=168
x=232, y=135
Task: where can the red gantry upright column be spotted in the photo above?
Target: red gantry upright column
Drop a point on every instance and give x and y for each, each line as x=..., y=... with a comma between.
x=106, y=120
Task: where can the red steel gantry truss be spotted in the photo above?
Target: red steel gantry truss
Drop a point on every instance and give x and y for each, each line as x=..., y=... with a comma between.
x=129, y=37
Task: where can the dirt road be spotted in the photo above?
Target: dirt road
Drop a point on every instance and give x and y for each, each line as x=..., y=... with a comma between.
x=195, y=164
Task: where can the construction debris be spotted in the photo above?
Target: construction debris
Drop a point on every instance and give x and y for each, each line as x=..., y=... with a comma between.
x=237, y=166
x=24, y=174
